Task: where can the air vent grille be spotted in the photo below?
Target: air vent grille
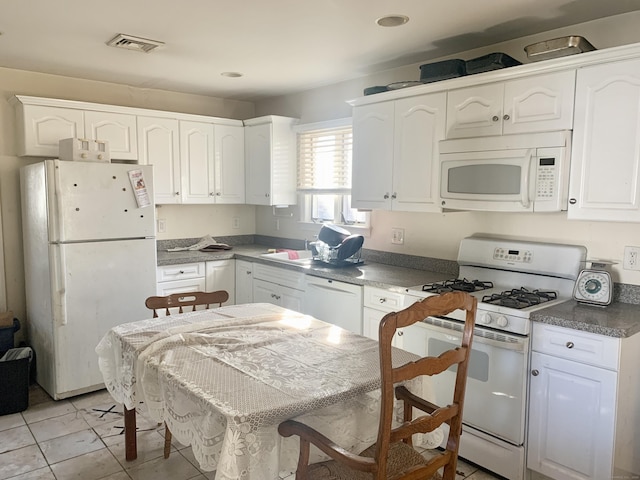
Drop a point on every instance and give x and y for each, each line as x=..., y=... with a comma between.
x=129, y=42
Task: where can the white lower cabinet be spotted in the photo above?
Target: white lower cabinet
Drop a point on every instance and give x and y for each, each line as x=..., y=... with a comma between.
x=244, y=282
x=221, y=275
x=334, y=302
x=278, y=286
x=581, y=407
x=377, y=302
x=182, y=278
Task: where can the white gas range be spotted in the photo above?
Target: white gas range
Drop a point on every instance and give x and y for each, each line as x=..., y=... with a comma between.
x=511, y=279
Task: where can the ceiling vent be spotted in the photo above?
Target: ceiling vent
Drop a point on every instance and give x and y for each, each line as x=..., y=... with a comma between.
x=129, y=42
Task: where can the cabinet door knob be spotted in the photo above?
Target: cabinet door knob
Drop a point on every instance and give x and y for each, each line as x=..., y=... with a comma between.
x=382, y=300
x=573, y=201
x=248, y=272
x=394, y=195
x=506, y=116
x=386, y=195
x=570, y=345
x=177, y=193
x=180, y=272
x=495, y=118
x=211, y=194
x=400, y=333
x=218, y=194
x=535, y=372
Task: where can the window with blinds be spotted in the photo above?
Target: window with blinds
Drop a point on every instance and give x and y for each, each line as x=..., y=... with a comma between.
x=324, y=174
x=324, y=161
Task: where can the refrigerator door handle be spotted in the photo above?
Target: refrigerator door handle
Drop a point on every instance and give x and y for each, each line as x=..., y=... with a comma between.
x=59, y=282
x=57, y=186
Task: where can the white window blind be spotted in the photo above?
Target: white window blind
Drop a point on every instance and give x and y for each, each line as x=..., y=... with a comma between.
x=324, y=160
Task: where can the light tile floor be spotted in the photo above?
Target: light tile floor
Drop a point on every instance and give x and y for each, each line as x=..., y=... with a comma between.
x=82, y=439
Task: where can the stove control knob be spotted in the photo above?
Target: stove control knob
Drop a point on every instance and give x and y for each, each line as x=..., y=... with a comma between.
x=502, y=321
x=485, y=318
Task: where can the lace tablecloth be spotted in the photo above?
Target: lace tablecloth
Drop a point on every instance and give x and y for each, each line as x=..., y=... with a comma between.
x=223, y=380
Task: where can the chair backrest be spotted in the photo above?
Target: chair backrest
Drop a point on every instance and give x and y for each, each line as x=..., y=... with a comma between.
x=451, y=414
x=182, y=300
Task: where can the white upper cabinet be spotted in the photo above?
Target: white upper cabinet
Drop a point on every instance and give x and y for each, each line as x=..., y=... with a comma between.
x=158, y=146
x=395, y=153
x=530, y=104
x=118, y=129
x=42, y=127
x=196, y=162
x=270, y=161
x=372, y=156
x=211, y=163
x=229, y=175
x=42, y=124
x=605, y=162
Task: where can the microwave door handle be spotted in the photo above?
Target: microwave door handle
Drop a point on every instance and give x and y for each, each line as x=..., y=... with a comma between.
x=528, y=183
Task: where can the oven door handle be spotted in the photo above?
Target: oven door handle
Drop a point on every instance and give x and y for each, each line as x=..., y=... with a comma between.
x=519, y=345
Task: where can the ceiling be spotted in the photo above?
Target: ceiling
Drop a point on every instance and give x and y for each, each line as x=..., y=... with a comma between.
x=280, y=46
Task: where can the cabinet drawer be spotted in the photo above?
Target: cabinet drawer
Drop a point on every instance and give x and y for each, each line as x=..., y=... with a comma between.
x=384, y=300
x=182, y=271
x=280, y=276
x=576, y=345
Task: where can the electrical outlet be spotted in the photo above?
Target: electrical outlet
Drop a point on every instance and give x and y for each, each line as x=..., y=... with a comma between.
x=236, y=222
x=631, y=258
x=397, y=236
x=162, y=225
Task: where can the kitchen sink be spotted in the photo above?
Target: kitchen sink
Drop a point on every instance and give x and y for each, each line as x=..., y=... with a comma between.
x=304, y=257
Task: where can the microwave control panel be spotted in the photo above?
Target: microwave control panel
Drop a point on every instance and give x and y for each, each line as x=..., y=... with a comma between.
x=551, y=177
x=546, y=182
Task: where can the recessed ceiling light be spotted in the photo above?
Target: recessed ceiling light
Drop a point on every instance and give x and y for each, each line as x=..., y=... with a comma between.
x=392, y=20
x=231, y=74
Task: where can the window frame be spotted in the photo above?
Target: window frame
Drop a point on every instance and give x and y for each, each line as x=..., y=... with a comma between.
x=306, y=198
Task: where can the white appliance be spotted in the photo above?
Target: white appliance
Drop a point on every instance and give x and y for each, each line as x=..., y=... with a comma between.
x=509, y=173
x=334, y=302
x=90, y=262
x=511, y=279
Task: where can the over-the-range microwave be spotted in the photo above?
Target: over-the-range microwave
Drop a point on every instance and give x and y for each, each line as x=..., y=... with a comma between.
x=508, y=173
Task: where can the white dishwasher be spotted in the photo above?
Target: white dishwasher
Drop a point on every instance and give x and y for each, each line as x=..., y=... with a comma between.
x=334, y=302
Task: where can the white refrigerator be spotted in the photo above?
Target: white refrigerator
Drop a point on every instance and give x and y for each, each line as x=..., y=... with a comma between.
x=90, y=263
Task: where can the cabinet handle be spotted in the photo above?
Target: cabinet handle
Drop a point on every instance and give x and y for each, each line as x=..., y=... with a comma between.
x=506, y=116
x=573, y=201
x=177, y=193
x=495, y=118
x=394, y=195
x=383, y=300
x=535, y=372
x=211, y=194
x=570, y=345
x=181, y=272
x=218, y=194
x=266, y=195
x=248, y=272
x=400, y=333
x=386, y=195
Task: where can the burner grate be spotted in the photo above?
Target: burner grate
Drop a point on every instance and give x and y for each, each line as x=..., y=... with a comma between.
x=456, y=284
x=520, y=298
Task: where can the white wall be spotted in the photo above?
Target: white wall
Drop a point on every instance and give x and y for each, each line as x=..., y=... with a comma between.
x=438, y=235
x=191, y=221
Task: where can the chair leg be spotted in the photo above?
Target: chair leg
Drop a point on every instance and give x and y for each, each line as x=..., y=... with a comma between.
x=167, y=441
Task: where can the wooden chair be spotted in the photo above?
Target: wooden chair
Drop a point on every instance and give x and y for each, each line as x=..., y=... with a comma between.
x=180, y=301
x=393, y=456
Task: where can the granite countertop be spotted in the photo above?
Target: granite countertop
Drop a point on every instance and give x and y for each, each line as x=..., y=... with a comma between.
x=616, y=320
x=370, y=273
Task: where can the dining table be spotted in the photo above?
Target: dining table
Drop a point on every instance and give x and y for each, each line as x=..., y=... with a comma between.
x=223, y=379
